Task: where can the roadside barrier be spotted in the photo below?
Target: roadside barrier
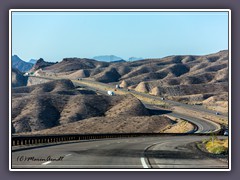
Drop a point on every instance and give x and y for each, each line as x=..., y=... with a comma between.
x=48, y=139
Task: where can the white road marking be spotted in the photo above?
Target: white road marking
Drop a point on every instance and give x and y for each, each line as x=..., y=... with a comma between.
x=144, y=164
x=48, y=162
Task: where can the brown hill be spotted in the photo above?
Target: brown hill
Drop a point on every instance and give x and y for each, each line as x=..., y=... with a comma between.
x=121, y=124
x=142, y=87
x=130, y=106
x=82, y=73
x=56, y=103
x=108, y=75
x=73, y=64
x=52, y=86
x=155, y=91
x=172, y=75
x=41, y=64
x=123, y=84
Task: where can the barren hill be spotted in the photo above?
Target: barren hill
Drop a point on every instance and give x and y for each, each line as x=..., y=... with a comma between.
x=58, y=104
x=174, y=77
x=40, y=64
x=73, y=64
x=121, y=124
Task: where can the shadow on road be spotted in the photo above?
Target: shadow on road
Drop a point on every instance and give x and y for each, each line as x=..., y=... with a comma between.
x=165, y=154
x=158, y=111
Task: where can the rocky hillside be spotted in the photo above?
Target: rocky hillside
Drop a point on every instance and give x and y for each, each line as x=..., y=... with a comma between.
x=121, y=124
x=21, y=65
x=73, y=64
x=169, y=76
x=57, y=104
x=41, y=64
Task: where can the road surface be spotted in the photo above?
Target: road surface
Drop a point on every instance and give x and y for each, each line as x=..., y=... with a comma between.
x=149, y=152
x=173, y=103
x=203, y=126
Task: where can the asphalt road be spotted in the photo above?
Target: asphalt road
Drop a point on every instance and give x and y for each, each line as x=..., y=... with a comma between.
x=173, y=103
x=150, y=152
x=187, y=106
x=203, y=126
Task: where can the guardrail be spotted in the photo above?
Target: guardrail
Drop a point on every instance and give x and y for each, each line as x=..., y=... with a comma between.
x=47, y=139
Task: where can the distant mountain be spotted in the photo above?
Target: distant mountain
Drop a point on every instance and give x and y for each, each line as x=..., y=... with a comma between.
x=20, y=64
x=135, y=58
x=107, y=58
x=32, y=61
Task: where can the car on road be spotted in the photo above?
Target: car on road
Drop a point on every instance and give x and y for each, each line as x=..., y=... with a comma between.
x=217, y=113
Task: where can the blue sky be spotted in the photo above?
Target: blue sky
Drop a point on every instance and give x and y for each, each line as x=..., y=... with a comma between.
x=56, y=35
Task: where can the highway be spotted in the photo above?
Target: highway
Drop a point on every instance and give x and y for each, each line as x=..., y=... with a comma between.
x=164, y=152
x=173, y=103
x=149, y=152
x=203, y=126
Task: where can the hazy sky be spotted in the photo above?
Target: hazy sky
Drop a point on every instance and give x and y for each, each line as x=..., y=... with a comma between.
x=56, y=35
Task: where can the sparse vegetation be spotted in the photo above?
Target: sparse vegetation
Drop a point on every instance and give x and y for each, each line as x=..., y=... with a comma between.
x=216, y=146
x=181, y=126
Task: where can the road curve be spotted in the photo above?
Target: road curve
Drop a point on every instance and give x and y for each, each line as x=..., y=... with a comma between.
x=187, y=106
x=174, y=103
x=148, y=152
x=203, y=126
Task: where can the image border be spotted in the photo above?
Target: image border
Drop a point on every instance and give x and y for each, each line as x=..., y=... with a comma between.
x=118, y=10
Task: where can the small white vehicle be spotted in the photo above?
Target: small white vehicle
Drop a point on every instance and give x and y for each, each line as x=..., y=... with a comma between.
x=110, y=93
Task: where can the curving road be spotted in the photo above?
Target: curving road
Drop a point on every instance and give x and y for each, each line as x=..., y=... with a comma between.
x=203, y=126
x=165, y=152
x=149, y=152
x=174, y=103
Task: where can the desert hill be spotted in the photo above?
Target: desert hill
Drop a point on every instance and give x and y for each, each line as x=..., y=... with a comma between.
x=73, y=64
x=40, y=64
x=121, y=124
x=58, y=104
x=174, y=77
